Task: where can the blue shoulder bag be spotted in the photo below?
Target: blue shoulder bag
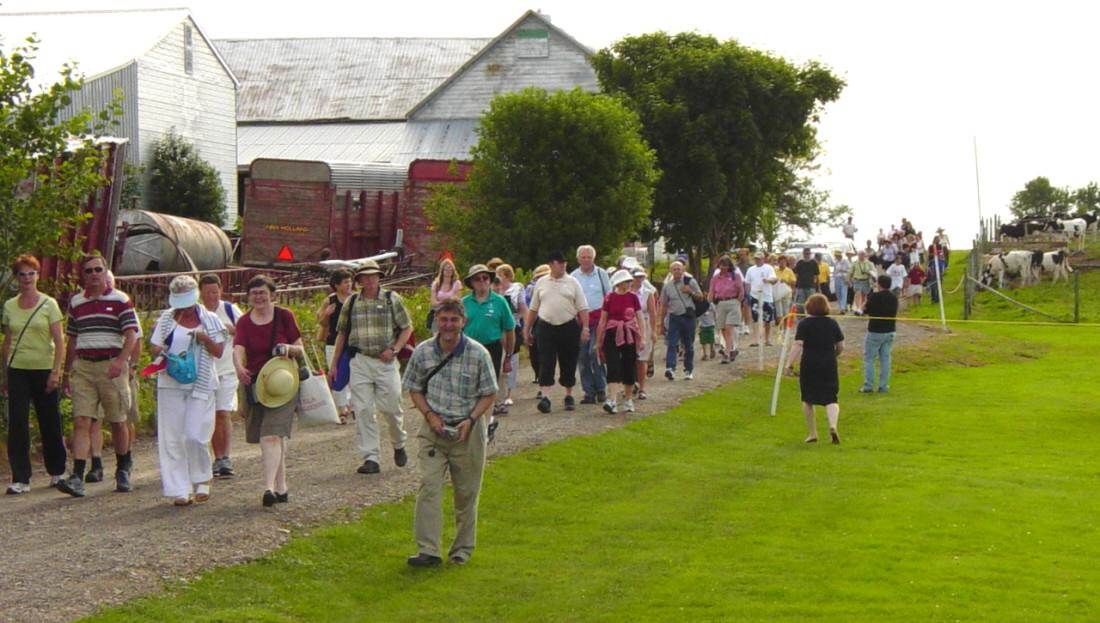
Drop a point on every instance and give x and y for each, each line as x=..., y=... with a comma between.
x=182, y=367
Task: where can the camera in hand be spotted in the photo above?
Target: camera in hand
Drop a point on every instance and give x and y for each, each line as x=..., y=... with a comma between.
x=450, y=432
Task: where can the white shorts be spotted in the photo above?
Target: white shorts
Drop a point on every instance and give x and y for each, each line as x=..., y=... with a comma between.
x=225, y=397
x=916, y=290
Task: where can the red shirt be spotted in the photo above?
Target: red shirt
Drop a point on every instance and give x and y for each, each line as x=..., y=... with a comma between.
x=916, y=276
x=258, y=340
x=621, y=307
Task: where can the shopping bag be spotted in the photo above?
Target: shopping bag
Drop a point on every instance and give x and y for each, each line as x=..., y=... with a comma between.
x=315, y=404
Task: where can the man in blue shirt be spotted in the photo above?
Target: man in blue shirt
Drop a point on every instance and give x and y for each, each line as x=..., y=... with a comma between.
x=596, y=284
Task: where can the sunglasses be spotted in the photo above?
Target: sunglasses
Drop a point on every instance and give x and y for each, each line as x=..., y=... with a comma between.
x=27, y=273
x=482, y=278
x=94, y=269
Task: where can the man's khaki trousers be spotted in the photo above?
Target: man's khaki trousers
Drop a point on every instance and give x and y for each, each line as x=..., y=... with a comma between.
x=466, y=462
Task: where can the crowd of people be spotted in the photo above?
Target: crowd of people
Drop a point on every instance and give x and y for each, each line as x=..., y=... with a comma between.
x=594, y=324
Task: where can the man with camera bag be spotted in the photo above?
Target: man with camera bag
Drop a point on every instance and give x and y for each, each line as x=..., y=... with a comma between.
x=451, y=381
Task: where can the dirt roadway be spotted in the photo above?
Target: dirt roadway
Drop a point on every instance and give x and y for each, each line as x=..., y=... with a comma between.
x=64, y=557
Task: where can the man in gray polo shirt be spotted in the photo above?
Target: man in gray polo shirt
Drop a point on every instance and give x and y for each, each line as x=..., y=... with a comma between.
x=451, y=381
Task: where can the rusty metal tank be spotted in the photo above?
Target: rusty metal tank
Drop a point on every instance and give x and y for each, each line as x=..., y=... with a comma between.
x=157, y=243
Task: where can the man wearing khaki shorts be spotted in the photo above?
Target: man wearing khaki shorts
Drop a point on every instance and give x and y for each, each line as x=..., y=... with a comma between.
x=102, y=328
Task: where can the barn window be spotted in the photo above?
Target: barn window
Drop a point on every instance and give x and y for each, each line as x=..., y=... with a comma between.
x=532, y=43
x=188, y=50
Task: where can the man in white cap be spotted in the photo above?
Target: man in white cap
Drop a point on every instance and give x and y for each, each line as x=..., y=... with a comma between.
x=375, y=323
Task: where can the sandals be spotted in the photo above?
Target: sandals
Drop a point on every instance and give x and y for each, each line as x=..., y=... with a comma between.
x=182, y=501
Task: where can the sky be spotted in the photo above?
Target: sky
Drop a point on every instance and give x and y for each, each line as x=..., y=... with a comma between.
x=927, y=81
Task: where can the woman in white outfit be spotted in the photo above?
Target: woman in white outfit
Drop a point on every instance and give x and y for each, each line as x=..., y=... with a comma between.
x=185, y=411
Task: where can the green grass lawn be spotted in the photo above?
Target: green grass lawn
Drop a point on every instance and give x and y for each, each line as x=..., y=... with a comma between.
x=967, y=493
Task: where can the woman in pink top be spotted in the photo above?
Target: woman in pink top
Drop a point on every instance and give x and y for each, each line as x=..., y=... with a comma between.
x=727, y=287
x=446, y=285
x=619, y=336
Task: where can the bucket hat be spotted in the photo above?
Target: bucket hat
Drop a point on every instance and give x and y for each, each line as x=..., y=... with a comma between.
x=476, y=270
x=620, y=276
x=368, y=267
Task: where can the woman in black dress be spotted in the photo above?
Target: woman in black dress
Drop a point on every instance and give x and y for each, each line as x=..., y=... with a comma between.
x=821, y=341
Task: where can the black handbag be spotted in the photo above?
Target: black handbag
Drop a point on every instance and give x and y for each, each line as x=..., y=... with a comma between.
x=697, y=308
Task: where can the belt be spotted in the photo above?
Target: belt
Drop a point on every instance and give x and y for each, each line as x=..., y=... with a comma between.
x=94, y=359
x=732, y=298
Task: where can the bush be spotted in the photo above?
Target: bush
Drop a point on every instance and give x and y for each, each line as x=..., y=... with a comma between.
x=184, y=184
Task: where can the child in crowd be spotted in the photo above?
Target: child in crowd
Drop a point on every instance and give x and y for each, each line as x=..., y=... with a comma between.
x=916, y=284
x=706, y=334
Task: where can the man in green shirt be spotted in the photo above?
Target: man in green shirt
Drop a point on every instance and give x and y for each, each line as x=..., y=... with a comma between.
x=489, y=319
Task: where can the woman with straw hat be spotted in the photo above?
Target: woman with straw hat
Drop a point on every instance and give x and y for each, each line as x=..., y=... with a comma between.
x=266, y=341
x=186, y=332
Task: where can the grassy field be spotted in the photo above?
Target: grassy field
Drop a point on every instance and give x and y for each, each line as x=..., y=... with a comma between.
x=967, y=493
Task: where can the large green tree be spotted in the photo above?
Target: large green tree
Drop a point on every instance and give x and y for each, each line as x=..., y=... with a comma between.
x=550, y=171
x=732, y=127
x=1039, y=198
x=184, y=184
x=48, y=163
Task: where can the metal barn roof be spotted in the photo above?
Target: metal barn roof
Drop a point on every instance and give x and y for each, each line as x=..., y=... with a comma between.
x=394, y=142
x=99, y=41
x=354, y=79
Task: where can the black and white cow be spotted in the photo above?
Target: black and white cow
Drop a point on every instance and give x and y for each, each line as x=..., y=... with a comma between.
x=1057, y=264
x=1014, y=264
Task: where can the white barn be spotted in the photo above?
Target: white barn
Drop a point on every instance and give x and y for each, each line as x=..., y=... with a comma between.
x=170, y=75
x=389, y=99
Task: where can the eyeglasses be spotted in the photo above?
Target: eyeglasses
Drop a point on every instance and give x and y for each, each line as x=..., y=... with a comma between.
x=27, y=273
x=482, y=278
x=93, y=269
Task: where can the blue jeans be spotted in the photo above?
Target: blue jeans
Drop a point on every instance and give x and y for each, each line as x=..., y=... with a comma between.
x=593, y=376
x=840, y=287
x=877, y=345
x=681, y=330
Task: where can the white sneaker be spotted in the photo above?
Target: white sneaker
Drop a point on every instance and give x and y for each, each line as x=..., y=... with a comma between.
x=16, y=488
x=609, y=405
x=688, y=376
x=55, y=480
x=628, y=405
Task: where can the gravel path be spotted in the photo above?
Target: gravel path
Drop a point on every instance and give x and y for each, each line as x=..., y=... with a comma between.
x=65, y=557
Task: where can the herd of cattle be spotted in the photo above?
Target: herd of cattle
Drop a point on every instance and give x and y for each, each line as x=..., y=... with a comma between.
x=1072, y=227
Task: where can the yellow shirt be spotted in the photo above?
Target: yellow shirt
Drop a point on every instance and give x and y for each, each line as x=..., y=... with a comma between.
x=786, y=275
x=822, y=272
x=35, y=351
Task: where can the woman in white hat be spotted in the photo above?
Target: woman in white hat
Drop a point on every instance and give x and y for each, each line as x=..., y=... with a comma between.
x=618, y=337
x=189, y=334
x=267, y=339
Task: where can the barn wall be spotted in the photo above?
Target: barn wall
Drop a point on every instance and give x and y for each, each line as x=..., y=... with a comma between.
x=200, y=107
x=500, y=70
x=97, y=94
